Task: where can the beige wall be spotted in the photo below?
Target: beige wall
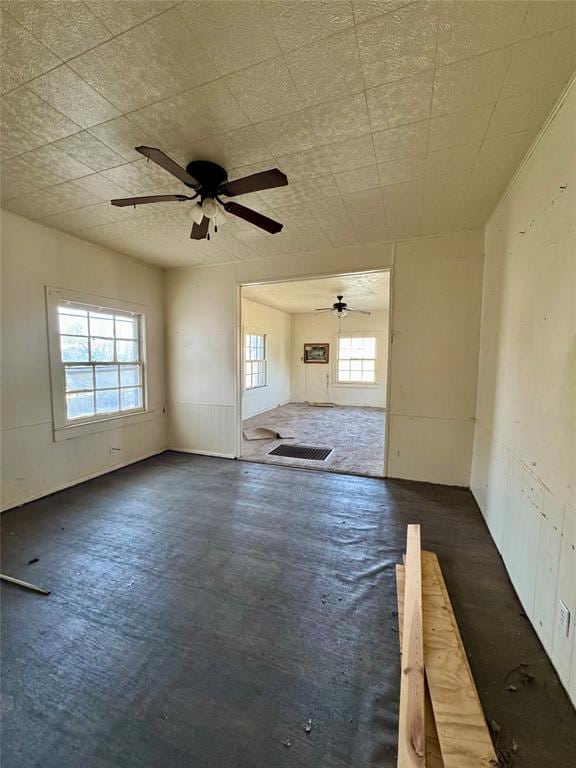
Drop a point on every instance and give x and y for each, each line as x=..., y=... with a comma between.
x=276, y=326
x=317, y=382
x=524, y=468
x=435, y=324
x=34, y=256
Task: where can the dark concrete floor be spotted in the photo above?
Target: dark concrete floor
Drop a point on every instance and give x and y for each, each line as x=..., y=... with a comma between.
x=203, y=609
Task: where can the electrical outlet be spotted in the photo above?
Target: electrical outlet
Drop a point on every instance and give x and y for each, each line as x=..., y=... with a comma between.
x=564, y=618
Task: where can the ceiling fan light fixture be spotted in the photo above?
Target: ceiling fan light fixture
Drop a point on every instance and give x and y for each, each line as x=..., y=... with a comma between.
x=340, y=312
x=209, y=208
x=196, y=213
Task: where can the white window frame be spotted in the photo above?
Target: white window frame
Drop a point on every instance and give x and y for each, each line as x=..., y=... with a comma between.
x=264, y=360
x=357, y=335
x=63, y=427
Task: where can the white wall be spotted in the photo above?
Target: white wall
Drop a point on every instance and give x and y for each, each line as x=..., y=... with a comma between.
x=275, y=325
x=317, y=382
x=524, y=467
x=34, y=256
x=436, y=300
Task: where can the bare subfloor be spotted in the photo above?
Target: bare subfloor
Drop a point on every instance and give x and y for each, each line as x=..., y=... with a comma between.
x=203, y=609
x=356, y=436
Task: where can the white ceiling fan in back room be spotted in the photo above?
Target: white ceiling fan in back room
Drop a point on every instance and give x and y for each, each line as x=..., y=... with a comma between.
x=209, y=181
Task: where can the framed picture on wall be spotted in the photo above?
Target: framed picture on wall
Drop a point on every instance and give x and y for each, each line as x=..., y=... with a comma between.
x=316, y=353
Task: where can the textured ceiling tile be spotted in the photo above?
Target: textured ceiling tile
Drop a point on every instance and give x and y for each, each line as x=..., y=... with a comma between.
x=327, y=69
x=371, y=226
x=351, y=153
x=23, y=57
x=371, y=9
x=397, y=171
x=305, y=165
x=88, y=150
x=240, y=147
x=102, y=188
x=235, y=34
x=365, y=200
x=545, y=17
x=122, y=136
x=357, y=180
x=258, y=245
x=315, y=190
x=188, y=117
x=39, y=168
x=45, y=202
x=526, y=112
x=17, y=140
x=120, y=15
x=457, y=161
x=404, y=101
x=150, y=62
x=23, y=108
x=446, y=184
x=497, y=160
x=342, y=119
x=469, y=83
x=405, y=141
x=67, y=28
x=398, y=44
x=71, y=96
x=292, y=133
x=478, y=26
x=299, y=23
x=265, y=90
x=438, y=214
x=466, y=127
x=541, y=62
x=130, y=177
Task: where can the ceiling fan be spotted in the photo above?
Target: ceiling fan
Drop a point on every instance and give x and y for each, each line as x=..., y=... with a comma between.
x=209, y=182
x=341, y=309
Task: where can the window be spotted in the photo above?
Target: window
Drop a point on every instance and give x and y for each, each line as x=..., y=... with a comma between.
x=255, y=361
x=100, y=362
x=356, y=360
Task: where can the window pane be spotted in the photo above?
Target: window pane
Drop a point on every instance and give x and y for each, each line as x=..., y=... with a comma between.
x=130, y=398
x=78, y=377
x=107, y=401
x=368, y=376
x=355, y=365
x=126, y=327
x=74, y=324
x=368, y=365
x=129, y=375
x=101, y=325
x=68, y=309
x=106, y=376
x=344, y=376
x=80, y=405
x=102, y=350
x=126, y=351
x=74, y=349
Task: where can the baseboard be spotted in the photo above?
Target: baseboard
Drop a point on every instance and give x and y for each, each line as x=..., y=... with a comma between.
x=214, y=454
x=265, y=410
x=83, y=479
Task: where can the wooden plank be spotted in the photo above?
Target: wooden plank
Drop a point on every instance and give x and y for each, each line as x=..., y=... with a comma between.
x=462, y=730
x=433, y=754
x=432, y=559
x=24, y=584
x=411, y=725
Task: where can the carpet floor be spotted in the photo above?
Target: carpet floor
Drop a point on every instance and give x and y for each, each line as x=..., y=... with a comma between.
x=355, y=435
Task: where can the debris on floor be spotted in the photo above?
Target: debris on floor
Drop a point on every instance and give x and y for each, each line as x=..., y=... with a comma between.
x=287, y=743
x=34, y=560
x=308, y=726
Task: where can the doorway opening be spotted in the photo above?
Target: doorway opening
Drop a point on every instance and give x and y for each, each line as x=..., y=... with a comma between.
x=313, y=372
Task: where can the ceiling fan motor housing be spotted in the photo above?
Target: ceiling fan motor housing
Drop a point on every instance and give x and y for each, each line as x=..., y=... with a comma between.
x=210, y=176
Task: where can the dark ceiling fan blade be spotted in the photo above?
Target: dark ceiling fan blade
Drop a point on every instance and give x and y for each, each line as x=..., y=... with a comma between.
x=361, y=311
x=158, y=157
x=150, y=199
x=253, y=217
x=199, y=231
x=255, y=182
x=324, y=309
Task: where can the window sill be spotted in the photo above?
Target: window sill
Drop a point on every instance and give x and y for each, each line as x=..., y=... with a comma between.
x=101, y=425
x=363, y=385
